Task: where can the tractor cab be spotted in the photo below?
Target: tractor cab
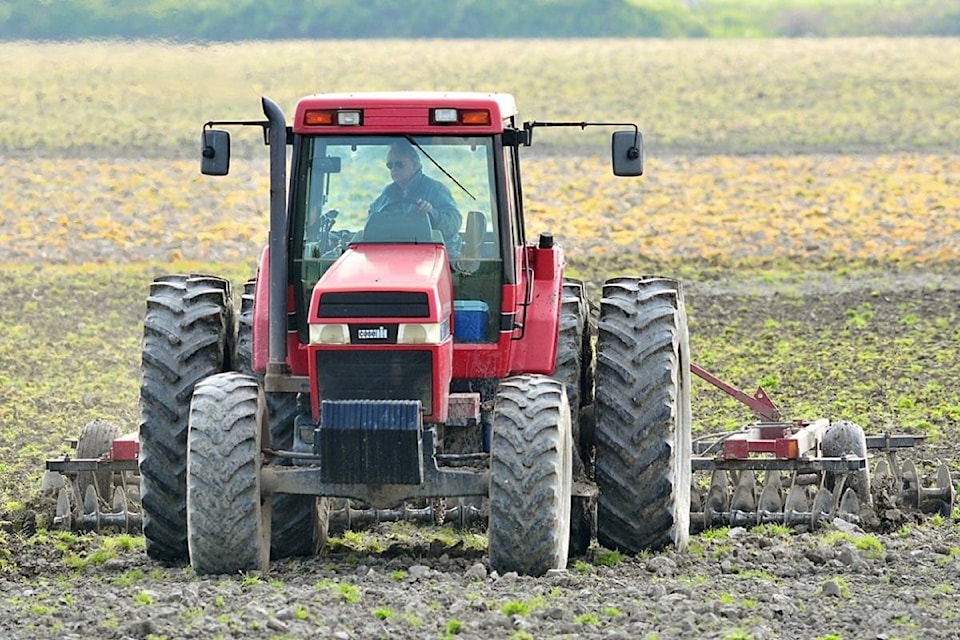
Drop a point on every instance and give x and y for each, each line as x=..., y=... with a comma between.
x=399, y=246
x=343, y=200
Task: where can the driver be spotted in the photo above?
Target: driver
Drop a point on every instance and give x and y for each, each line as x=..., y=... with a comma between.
x=421, y=193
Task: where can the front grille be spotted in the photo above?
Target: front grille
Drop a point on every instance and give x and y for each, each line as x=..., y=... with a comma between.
x=381, y=304
x=376, y=375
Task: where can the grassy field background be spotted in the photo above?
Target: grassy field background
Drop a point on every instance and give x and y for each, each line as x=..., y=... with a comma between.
x=701, y=96
x=780, y=176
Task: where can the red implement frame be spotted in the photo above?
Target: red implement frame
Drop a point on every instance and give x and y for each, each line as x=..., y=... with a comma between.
x=760, y=403
x=786, y=441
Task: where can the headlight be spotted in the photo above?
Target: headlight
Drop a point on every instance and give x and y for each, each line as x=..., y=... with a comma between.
x=329, y=334
x=422, y=333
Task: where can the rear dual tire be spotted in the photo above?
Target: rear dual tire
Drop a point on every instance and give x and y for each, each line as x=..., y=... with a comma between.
x=300, y=522
x=643, y=425
x=574, y=369
x=187, y=336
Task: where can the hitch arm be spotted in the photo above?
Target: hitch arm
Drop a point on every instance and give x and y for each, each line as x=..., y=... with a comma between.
x=760, y=403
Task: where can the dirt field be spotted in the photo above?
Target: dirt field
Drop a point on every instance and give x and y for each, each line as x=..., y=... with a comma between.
x=409, y=583
x=831, y=277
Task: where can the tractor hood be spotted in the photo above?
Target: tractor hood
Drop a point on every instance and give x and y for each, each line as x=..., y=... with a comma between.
x=387, y=282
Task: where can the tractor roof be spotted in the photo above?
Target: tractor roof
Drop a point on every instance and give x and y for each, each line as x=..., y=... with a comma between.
x=403, y=112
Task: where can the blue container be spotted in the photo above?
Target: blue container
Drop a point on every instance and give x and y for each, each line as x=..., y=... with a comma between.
x=470, y=320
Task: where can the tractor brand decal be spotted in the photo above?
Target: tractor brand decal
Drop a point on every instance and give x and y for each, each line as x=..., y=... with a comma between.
x=379, y=333
x=374, y=333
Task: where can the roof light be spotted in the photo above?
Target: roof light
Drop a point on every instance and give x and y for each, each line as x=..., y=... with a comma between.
x=331, y=117
x=445, y=116
x=318, y=117
x=349, y=118
x=475, y=117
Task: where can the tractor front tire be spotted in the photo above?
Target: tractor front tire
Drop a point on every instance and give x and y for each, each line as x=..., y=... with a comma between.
x=228, y=521
x=300, y=522
x=643, y=416
x=187, y=333
x=531, y=459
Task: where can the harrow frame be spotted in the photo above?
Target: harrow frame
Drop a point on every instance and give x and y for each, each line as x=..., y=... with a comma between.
x=771, y=446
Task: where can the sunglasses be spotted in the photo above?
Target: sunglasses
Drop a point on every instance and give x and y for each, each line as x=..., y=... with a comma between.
x=396, y=164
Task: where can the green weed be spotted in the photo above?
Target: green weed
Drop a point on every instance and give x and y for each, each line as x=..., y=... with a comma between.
x=581, y=566
x=349, y=593
x=412, y=619
x=607, y=557
x=383, y=613
x=718, y=533
x=521, y=607
x=453, y=627
x=772, y=530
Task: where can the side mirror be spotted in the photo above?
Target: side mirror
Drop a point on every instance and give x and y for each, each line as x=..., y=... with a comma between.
x=627, y=153
x=215, y=152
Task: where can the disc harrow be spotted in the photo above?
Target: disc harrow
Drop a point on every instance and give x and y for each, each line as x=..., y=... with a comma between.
x=799, y=474
x=83, y=501
x=800, y=486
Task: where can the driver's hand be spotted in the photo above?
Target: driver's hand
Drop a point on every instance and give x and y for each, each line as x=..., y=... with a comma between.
x=424, y=206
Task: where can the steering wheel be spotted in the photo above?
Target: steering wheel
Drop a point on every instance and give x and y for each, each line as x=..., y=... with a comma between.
x=399, y=221
x=402, y=207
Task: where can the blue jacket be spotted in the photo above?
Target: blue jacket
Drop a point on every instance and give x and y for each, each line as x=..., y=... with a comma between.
x=445, y=216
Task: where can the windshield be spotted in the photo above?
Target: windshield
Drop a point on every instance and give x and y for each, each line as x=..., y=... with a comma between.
x=400, y=189
x=393, y=189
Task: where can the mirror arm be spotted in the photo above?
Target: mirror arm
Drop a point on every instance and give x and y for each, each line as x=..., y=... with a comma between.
x=634, y=152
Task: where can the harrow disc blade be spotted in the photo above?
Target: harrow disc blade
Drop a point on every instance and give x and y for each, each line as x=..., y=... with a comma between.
x=796, y=509
x=745, y=495
x=823, y=505
x=52, y=482
x=743, y=505
x=64, y=513
x=945, y=483
x=119, y=500
x=718, y=498
x=911, y=484
x=770, y=507
x=938, y=498
x=849, y=508
x=882, y=469
x=91, y=505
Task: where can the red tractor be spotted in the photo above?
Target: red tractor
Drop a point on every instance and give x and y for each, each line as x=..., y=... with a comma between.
x=386, y=354
x=407, y=346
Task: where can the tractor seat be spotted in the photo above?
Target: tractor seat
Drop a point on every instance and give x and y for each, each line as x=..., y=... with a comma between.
x=473, y=237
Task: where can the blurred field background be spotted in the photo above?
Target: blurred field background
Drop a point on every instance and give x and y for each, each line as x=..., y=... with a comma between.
x=223, y=20
x=770, y=163
x=758, y=151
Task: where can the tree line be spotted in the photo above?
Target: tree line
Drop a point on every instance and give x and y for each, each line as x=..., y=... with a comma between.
x=230, y=20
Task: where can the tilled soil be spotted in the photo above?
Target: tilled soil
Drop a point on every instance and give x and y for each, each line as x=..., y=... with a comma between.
x=739, y=584
x=900, y=581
